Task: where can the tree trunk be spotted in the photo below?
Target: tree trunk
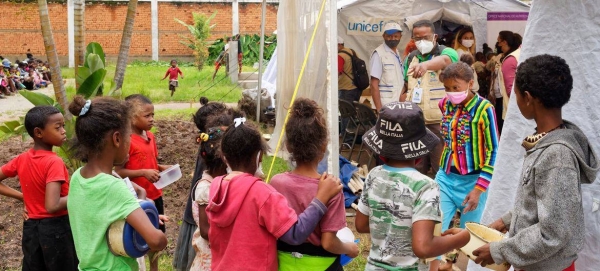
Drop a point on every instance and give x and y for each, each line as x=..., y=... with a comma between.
x=125, y=44
x=79, y=11
x=57, y=81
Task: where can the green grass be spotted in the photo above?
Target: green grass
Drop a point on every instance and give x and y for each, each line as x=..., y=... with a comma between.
x=145, y=78
x=280, y=165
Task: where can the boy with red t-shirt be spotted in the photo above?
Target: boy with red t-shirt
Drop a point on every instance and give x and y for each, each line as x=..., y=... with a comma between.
x=47, y=240
x=142, y=167
x=173, y=72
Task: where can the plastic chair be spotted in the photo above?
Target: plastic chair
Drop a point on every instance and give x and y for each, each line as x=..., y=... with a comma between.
x=366, y=120
x=348, y=111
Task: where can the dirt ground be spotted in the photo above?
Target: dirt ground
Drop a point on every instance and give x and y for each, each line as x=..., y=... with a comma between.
x=176, y=141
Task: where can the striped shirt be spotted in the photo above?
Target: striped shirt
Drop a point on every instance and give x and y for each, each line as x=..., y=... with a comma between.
x=470, y=139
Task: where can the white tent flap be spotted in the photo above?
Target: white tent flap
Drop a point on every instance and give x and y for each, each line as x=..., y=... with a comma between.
x=445, y=14
x=579, y=46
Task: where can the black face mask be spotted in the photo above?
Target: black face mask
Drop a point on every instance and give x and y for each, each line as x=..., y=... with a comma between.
x=392, y=43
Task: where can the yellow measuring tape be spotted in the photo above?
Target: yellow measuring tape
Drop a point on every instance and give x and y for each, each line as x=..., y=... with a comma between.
x=287, y=115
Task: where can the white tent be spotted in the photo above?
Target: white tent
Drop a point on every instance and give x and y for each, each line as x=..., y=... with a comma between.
x=577, y=25
x=360, y=21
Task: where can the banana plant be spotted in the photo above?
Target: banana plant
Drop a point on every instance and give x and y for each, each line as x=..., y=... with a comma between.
x=200, y=31
x=90, y=76
x=250, y=48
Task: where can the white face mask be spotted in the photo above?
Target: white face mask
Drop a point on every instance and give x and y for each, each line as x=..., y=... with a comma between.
x=467, y=43
x=424, y=46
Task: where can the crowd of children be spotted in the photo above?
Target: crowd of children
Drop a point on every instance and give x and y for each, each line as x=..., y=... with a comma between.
x=242, y=223
x=29, y=74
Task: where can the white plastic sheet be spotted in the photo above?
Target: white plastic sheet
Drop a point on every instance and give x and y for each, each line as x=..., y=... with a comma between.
x=296, y=20
x=569, y=29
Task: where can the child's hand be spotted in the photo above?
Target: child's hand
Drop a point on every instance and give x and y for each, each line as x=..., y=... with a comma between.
x=460, y=236
x=151, y=174
x=452, y=231
x=329, y=186
x=162, y=219
x=25, y=214
x=353, y=250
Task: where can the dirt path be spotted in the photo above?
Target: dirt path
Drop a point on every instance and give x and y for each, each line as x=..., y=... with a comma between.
x=16, y=106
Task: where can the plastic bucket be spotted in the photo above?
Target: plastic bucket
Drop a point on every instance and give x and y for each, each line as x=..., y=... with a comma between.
x=168, y=176
x=481, y=235
x=345, y=235
x=122, y=238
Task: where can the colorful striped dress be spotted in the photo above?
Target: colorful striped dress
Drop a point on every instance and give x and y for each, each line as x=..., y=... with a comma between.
x=470, y=138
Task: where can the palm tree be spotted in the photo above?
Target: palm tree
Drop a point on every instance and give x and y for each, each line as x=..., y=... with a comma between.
x=125, y=44
x=79, y=9
x=57, y=81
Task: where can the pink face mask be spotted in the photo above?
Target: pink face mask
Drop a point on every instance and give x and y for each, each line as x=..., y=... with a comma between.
x=457, y=97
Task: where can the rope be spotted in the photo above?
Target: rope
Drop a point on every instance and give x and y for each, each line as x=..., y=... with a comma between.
x=225, y=76
x=287, y=115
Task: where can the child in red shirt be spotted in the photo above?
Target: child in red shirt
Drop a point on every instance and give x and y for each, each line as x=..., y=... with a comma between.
x=246, y=216
x=142, y=167
x=173, y=72
x=300, y=185
x=47, y=240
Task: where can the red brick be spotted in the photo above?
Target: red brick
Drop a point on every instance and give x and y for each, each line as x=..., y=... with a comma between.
x=104, y=24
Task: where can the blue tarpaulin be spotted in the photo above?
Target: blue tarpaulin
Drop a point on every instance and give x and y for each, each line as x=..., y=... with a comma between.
x=346, y=171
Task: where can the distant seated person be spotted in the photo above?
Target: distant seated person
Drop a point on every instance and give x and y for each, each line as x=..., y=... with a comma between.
x=36, y=75
x=26, y=78
x=44, y=69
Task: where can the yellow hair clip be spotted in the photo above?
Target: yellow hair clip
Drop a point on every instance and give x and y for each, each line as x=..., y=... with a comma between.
x=203, y=137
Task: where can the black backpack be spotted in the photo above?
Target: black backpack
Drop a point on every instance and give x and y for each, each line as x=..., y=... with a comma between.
x=359, y=71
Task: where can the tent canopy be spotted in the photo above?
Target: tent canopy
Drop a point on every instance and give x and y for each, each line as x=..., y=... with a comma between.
x=357, y=18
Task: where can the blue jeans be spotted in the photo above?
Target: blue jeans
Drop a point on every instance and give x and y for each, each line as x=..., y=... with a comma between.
x=454, y=188
x=352, y=95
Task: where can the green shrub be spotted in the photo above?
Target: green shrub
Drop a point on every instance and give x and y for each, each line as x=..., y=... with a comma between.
x=250, y=48
x=200, y=31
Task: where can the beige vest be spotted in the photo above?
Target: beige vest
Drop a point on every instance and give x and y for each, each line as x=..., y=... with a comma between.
x=345, y=79
x=432, y=93
x=505, y=97
x=391, y=81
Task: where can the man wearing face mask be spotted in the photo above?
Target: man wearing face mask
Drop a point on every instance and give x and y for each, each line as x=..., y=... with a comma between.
x=422, y=67
x=386, y=67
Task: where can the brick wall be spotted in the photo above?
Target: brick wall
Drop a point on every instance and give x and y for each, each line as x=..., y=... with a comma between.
x=104, y=24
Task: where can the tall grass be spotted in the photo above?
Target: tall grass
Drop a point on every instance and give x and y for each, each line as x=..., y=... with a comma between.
x=145, y=78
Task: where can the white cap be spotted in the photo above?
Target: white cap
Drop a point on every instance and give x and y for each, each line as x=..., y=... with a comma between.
x=340, y=40
x=391, y=28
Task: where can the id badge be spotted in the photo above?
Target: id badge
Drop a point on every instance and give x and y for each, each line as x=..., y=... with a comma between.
x=417, y=95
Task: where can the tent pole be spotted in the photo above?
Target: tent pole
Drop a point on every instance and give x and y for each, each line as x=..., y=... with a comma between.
x=332, y=93
x=261, y=53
